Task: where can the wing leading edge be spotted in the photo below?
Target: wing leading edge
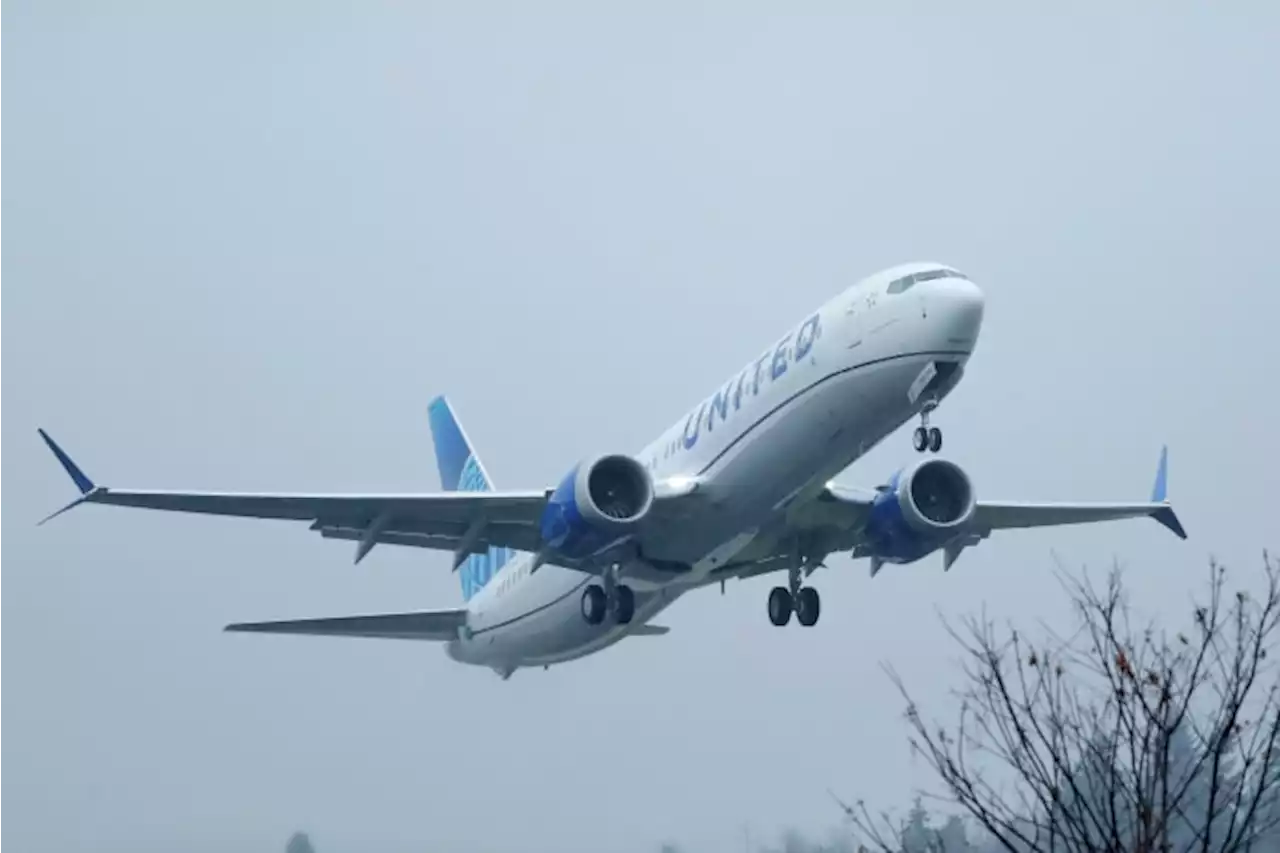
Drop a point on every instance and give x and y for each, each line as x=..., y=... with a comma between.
x=463, y=522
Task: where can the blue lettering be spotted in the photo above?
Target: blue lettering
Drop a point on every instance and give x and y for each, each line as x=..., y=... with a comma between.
x=694, y=421
x=806, y=336
x=755, y=385
x=737, y=392
x=719, y=401
x=780, y=358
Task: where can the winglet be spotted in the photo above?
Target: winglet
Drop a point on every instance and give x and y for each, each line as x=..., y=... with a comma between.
x=1159, y=492
x=83, y=483
x=1160, y=495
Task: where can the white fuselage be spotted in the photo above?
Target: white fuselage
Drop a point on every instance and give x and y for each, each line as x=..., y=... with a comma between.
x=773, y=433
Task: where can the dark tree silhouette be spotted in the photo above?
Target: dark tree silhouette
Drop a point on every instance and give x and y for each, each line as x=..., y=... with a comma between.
x=299, y=843
x=915, y=833
x=1117, y=736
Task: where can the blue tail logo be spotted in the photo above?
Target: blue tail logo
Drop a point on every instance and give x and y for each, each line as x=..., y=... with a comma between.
x=461, y=471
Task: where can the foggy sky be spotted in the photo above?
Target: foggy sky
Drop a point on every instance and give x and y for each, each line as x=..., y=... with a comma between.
x=246, y=243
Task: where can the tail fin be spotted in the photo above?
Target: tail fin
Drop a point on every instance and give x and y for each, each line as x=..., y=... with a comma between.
x=462, y=471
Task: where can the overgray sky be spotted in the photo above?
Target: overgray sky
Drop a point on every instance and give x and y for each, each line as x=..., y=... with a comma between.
x=246, y=243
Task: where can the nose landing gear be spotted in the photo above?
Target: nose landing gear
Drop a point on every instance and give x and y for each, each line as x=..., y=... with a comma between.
x=925, y=437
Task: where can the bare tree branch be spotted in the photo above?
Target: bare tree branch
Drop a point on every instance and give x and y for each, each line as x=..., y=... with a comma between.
x=1116, y=736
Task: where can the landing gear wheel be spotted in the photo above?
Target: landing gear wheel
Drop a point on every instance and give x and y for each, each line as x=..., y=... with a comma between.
x=624, y=604
x=926, y=437
x=808, y=606
x=780, y=606
x=594, y=605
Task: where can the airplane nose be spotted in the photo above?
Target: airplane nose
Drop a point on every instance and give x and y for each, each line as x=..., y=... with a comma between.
x=957, y=304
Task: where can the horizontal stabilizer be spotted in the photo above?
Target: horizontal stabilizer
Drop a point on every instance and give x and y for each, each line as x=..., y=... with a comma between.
x=439, y=625
x=649, y=630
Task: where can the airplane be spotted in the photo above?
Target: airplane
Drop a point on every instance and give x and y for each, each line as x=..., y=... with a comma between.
x=740, y=485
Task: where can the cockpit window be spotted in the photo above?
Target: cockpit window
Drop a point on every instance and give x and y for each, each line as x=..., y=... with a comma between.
x=900, y=285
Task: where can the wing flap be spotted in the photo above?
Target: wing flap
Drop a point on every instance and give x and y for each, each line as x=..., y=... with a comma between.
x=438, y=521
x=436, y=625
x=513, y=536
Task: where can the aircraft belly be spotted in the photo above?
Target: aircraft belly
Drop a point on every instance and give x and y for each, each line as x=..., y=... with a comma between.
x=555, y=634
x=887, y=394
x=571, y=638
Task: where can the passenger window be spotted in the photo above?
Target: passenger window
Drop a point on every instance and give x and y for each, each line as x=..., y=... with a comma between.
x=903, y=284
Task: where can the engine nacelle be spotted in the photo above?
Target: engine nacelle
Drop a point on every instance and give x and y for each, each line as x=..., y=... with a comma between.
x=597, y=505
x=920, y=509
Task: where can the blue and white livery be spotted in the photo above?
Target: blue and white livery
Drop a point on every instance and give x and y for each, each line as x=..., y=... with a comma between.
x=739, y=485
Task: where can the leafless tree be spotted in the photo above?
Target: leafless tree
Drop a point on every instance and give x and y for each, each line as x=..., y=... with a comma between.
x=1116, y=737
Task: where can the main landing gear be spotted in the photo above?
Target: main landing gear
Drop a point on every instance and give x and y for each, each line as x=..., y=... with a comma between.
x=610, y=599
x=926, y=437
x=804, y=601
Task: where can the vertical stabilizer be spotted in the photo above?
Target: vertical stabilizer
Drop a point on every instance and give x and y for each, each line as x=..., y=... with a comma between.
x=462, y=471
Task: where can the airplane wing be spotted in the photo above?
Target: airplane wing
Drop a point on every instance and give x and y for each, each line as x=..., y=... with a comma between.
x=836, y=519
x=990, y=516
x=462, y=522
x=439, y=625
x=996, y=515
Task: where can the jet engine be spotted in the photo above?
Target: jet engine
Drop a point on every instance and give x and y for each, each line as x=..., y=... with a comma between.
x=598, y=504
x=919, y=509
